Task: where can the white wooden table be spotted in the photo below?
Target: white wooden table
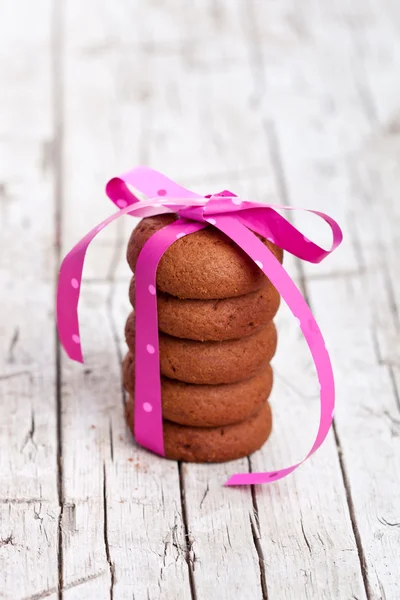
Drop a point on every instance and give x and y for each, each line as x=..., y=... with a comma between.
x=282, y=101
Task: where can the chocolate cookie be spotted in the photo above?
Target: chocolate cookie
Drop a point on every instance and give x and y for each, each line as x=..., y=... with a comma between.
x=207, y=405
x=204, y=265
x=203, y=444
x=214, y=320
x=211, y=362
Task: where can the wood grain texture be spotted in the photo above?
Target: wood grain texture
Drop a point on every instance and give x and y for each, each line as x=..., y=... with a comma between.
x=124, y=526
x=278, y=101
x=325, y=544
x=29, y=507
x=122, y=522
x=365, y=301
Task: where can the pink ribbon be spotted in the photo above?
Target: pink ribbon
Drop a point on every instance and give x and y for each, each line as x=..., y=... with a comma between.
x=237, y=219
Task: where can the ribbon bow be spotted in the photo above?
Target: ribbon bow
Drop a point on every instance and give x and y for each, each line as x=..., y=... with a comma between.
x=236, y=218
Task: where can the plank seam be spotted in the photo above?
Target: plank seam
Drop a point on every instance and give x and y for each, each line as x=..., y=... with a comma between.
x=356, y=532
x=190, y=556
x=105, y=530
x=58, y=116
x=255, y=530
x=114, y=332
x=345, y=479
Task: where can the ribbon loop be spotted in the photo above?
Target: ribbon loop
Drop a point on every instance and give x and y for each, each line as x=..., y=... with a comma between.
x=279, y=230
x=148, y=182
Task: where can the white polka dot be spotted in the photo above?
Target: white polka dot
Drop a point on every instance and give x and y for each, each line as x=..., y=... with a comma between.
x=269, y=239
x=180, y=235
x=100, y=227
x=236, y=201
x=298, y=321
x=75, y=283
x=211, y=221
x=150, y=349
x=122, y=203
x=147, y=407
x=76, y=338
x=157, y=205
x=152, y=290
x=259, y=263
x=306, y=240
x=333, y=413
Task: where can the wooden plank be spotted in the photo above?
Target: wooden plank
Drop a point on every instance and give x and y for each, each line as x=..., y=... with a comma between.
x=26, y=212
x=367, y=424
x=349, y=305
x=29, y=506
x=302, y=520
x=376, y=178
x=224, y=558
x=376, y=182
x=90, y=393
x=115, y=492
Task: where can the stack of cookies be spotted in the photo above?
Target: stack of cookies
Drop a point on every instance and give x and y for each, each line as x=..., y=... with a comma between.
x=217, y=338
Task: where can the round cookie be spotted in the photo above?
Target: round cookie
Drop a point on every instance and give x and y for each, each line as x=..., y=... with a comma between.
x=211, y=362
x=207, y=405
x=205, y=265
x=203, y=444
x=214, y=320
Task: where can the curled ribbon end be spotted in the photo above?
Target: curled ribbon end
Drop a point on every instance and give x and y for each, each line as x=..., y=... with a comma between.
x=259, y=478
x=252, y=479
x=239, y=479
x=231, y=482
x=118, y=192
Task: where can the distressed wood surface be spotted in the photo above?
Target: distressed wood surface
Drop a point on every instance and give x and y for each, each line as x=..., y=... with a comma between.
x=29, y=502
x=279, y=101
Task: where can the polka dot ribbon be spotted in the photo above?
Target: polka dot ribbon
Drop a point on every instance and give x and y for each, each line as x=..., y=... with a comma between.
x=238, y=219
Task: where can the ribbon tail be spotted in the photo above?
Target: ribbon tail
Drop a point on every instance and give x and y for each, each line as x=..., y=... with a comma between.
x=70, y=280
x=280, y=231
x=148, y=406
x=260, y=254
